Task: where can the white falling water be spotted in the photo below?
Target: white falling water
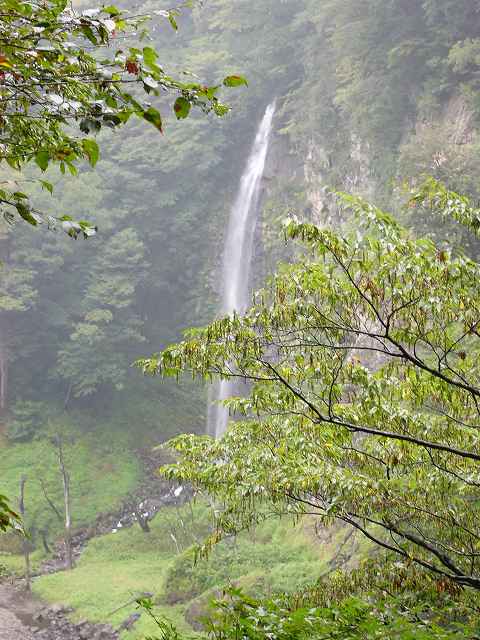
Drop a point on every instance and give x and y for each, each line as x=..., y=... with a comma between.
x=237, y=256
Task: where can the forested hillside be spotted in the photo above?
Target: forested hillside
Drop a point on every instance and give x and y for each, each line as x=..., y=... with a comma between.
x=369, y=93
x=371, y=96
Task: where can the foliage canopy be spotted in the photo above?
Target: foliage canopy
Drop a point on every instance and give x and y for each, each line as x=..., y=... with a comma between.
x=364, y=401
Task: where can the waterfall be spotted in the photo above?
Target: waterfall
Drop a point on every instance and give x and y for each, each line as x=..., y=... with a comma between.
x=237, y=256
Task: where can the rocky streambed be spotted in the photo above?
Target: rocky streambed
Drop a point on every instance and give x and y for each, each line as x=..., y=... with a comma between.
x=24, y=617
x=16, y=612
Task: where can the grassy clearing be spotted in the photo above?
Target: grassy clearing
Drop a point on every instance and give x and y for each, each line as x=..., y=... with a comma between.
x=117, y=567
x=280, y=555
x=120, y=566
x=101, y=457
x=96, y=589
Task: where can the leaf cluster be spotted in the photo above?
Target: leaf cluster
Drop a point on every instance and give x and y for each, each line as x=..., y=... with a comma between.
x=64, y=75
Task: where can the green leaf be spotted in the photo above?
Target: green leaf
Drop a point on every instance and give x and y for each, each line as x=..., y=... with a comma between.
x=13, y=162
x=47, y=186
x=41, y=159
x=182, y=108
x=88, y=33
x=173, y=22
x=209, y=92
x=150, y=57
x=72, y=168
x=111, y=10
x=153, y=116
x=91, y=150
x=88, y=229
x=25, y=212
x=235, y=81
x=110, y=101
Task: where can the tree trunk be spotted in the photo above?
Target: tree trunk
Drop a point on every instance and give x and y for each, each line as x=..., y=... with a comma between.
x=50, y=502
x=68, y=395
x=143, y=522
x=66, y=499
x=4, y=322
x=25, y=543
x=68, y=522
x=46, y=546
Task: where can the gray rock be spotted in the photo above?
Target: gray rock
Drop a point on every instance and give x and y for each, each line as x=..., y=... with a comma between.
x=55, y=609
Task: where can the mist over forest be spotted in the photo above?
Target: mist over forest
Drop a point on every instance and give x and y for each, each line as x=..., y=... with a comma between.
x=239, y=320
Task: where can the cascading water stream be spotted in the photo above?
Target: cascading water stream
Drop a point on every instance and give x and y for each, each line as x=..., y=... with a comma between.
x=237, y=257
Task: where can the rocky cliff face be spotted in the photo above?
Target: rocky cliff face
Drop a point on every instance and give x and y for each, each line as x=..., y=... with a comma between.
x=444, y=145
x=356, y=176
x=310, y=170
x=298, y=177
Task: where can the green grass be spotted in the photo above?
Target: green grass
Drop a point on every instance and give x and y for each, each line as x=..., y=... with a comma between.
x=113, y=570
x=102, y=473
x=276, y=557
x=102, y=458
x=14, y=563
x=117, y=567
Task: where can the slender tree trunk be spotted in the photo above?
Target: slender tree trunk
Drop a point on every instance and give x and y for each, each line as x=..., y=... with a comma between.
x=46, y=546
x=3, y=373
x=66, y=499
x=68, y=395
x=25, y=543
x=68, y=521
x=50, y=502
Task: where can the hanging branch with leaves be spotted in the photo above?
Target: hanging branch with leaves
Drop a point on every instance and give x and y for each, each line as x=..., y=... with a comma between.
x=64, y=75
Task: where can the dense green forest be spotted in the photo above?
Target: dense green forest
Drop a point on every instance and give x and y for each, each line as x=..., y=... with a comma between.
x=372, y=98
